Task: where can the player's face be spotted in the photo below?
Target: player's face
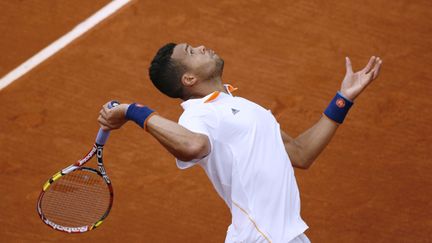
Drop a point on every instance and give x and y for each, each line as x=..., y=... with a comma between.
x=200, y=61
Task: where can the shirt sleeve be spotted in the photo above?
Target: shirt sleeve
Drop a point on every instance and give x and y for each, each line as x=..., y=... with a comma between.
x=200, y=120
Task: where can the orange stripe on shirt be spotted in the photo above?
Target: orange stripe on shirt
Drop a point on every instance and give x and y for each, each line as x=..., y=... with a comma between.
x=212, y=97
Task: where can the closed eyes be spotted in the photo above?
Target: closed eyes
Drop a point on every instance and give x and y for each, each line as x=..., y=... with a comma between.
x=191, y=51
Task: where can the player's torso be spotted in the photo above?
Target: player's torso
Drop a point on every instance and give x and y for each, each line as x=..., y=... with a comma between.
x=250, y=136
x=251, y=170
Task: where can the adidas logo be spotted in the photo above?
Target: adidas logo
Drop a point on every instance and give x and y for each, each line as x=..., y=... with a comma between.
x=234, y=111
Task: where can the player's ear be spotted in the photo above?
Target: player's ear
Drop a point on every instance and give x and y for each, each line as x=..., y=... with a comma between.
x=188, y=79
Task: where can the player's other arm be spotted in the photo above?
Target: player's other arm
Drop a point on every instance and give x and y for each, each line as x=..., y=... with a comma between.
x=304, y=149
x=184, y=144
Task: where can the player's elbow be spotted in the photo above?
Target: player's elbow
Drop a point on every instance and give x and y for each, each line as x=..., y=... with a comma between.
x=300, y=165
x=298, y=158
x=302, y=162
x=306, y=163
x=195, y=148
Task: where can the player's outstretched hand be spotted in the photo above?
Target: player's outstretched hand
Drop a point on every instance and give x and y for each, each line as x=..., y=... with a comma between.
x=354, y=83
x=114, y=118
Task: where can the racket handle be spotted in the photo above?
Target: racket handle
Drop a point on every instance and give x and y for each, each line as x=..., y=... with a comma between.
x=103, y=135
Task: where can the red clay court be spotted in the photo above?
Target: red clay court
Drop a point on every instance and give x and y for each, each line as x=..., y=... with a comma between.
x=372, y=184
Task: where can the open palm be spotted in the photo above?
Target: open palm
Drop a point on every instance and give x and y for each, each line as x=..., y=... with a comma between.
x=354, y=83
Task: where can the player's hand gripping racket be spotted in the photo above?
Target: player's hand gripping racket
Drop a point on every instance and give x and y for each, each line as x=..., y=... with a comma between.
x=77, y=199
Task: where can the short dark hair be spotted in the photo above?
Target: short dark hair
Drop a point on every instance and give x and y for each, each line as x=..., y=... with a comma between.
x=166, y=73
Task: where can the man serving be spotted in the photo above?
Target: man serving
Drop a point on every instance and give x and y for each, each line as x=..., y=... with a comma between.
x=238, y=143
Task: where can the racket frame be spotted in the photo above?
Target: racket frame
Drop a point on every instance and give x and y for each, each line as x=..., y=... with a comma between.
x=98, y=151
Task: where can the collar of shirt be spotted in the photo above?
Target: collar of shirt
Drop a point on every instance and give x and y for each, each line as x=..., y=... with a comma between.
x=210, y=97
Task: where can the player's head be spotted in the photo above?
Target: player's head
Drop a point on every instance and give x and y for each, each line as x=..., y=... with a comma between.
x=176, y=68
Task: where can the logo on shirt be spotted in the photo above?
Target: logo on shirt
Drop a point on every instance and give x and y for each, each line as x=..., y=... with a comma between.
x=234, y=111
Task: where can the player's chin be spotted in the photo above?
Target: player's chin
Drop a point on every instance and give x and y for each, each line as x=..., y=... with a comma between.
x=219, y=65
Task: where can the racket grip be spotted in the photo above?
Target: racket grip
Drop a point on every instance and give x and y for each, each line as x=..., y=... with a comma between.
x=103, y=135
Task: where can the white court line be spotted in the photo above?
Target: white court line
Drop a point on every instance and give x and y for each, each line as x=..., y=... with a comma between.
x=63, y=41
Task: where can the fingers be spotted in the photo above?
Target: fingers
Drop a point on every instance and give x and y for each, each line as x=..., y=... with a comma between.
x=103, y=113
x=104, y=117
x=104, y=123
x=370, y=64
x=377, y=68
x=373, y=74
x=348, y=65
x=112, y=118
x=105, y=108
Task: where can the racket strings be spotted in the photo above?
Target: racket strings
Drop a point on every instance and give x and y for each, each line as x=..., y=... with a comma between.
x=76, y=199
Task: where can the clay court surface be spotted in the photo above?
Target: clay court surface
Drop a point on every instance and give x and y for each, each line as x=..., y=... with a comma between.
x=372, y=184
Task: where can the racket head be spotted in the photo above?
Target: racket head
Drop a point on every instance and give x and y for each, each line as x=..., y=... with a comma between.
x=76, y=202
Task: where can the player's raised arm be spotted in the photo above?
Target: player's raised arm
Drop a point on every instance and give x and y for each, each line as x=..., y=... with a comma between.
x=184, y=144
x=305, y=148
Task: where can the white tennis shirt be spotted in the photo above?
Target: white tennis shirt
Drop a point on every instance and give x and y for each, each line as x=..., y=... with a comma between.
x=248, y=166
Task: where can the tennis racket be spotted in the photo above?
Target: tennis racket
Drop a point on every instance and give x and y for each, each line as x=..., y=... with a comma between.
x=77, y=199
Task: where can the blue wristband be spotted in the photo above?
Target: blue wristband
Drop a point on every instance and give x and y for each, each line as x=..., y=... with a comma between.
x=138, y=113
x=338, y=108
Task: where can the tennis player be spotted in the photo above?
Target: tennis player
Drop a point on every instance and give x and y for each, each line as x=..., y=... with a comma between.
x=238, y=143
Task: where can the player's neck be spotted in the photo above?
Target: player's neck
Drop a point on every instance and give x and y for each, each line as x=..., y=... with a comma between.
x=207, y=87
